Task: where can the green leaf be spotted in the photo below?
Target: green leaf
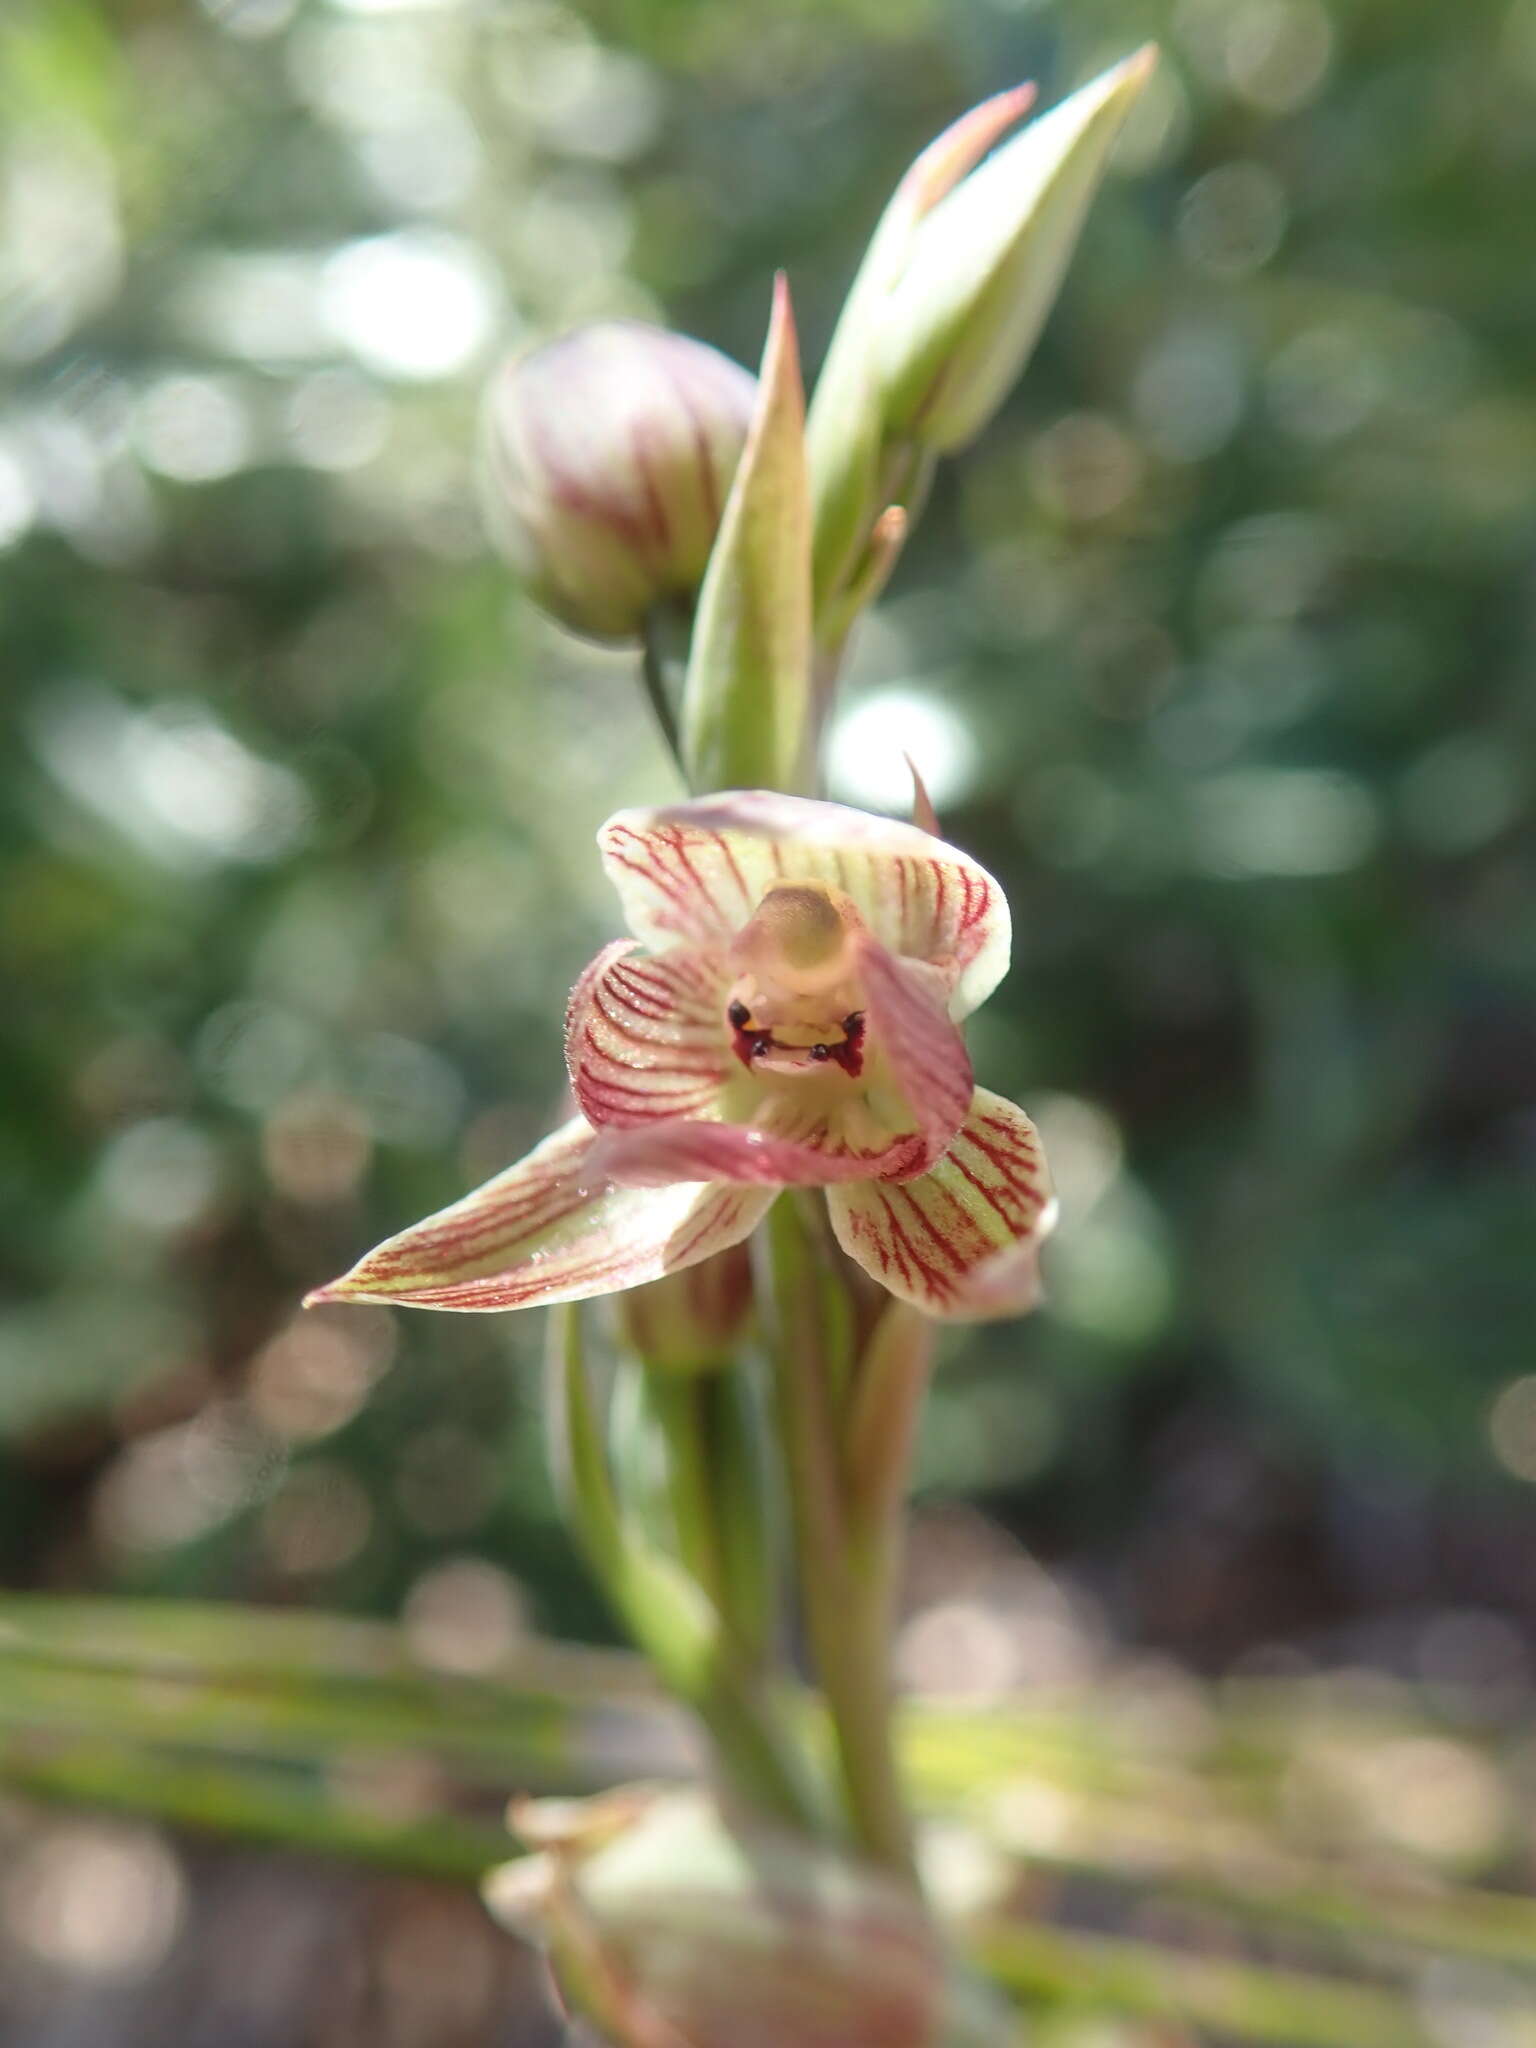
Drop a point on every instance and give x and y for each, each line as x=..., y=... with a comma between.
x=746, y=700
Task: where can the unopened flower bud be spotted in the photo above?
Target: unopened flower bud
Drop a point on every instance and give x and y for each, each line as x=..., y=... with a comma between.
x=984, y=266
x=690, y=1321
x=609, y=455
x=681, y=1929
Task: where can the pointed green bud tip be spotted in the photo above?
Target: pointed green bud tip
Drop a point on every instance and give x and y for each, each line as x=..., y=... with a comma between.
x=678, y=1927
x=607, y=460
x=983, y=265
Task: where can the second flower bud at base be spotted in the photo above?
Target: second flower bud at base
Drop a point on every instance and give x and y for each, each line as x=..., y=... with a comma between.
x=608, y=458
x=680, y=1930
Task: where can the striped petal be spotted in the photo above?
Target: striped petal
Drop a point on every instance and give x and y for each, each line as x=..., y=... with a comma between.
x=693, y=874
x=963, y=1241
x=646, y=1039
x=550, y=1229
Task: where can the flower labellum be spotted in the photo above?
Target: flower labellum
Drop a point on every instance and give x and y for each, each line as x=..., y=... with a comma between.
x=609, y=455
x=786, y=1015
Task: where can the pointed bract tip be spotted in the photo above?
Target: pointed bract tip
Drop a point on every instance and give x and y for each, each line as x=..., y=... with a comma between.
x=780, y=375
x=781, y=324
x=962, y=145
x=924, y=816
x=1141, y=63
x=890, y=529
x=317, y=1297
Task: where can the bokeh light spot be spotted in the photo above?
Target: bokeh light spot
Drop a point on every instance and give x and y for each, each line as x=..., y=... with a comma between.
x=192, y=429
x=1512, y=1428
x=464, y=1616
x=96, y=1900
x=870, y=742
x=411, y=305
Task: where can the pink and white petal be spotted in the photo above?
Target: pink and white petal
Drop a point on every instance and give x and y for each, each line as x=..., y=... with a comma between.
x=646, y=1040
x=694, y=873
x=550, y=1229
x=962, y=1242
x=911, y=1034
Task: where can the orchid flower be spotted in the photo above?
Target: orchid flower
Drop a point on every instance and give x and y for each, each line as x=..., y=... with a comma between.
x=786, y=1014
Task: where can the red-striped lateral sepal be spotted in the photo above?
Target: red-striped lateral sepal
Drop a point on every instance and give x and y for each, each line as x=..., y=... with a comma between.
x=646, y=1039
x=962, y=1241
x=549, y=1229
x=694, y=874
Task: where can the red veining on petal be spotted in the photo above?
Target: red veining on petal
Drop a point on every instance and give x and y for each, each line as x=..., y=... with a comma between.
x=940, y=1242
x=644, y=1038
x=662, y=980
x=938, y=1284
x=709, y=488
x=682, y=1069
x=937, y=923
x=655, y=511
x=636, y=999
x=963, y=1238
x=1003, y=1197
x=1006, y=1160
x=924, y=1049
x=719, y=1219
x=734, y=865
x=605, y=1239
x=649, y=871
x=606, y=510
x=449, y=1240
x=606, y=1100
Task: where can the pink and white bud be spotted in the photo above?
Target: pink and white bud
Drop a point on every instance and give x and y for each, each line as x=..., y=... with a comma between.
x=609, y=455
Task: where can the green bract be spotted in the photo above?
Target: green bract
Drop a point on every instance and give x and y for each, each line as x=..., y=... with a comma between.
x=954, y=287
x=984, y=266
x=747, y=698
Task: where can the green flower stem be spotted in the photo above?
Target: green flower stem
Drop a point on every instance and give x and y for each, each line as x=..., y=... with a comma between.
x=653, y=673
x=844, y=1571
x=679, y=1405
x=664, y=1608
x=717, y=1497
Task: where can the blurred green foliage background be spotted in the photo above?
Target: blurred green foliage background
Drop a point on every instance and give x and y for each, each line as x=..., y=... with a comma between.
x=1218, y=651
